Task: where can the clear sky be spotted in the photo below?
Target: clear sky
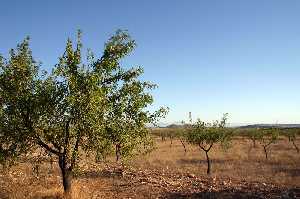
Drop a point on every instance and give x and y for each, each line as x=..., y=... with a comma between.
x=208, y=57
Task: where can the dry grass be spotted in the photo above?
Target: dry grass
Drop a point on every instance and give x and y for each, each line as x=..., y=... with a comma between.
x=238, y=164
x=240, y=161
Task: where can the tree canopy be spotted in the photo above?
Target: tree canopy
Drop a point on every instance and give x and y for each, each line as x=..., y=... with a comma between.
x=206, y=135
x=78, y=106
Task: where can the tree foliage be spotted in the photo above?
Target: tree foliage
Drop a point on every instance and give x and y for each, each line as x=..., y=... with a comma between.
x=19, y=104
x=206, y=135
x=267, y=136
x=79, y=106
x=253, y=135
x=292, y=135
x=181, y=134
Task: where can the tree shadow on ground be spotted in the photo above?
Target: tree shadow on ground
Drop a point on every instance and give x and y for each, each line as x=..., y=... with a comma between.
x=288, y=147
x=4, y=195
x=225, y=194
x=281, y=167
x=197, y=161
x=100, y=174
x=293, y=172
x=49, y=197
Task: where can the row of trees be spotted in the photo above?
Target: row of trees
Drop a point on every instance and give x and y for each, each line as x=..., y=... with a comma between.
x=268, y=136
x=201, y=134
x=207, y=135
x=80, y=107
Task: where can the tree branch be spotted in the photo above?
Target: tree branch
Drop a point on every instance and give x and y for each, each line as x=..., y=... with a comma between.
x=67, y=136
x=210, y=146
x=47, y=147
x=206, y=150
x=75, y=150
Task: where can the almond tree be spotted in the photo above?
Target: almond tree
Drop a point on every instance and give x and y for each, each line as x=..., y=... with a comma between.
x=253, y=135
x=126, y=132
x=267, y=137
x=180, y=133
x=72, y=109
x=292, y=134
x=206, y=135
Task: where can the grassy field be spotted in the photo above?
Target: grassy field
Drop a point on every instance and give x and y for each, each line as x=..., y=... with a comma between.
x=168, y=172
x=240, y=162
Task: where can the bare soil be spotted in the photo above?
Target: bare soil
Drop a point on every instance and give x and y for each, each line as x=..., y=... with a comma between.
x=169, y=172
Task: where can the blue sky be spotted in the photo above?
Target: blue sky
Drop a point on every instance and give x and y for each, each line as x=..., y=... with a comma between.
x=208, y=57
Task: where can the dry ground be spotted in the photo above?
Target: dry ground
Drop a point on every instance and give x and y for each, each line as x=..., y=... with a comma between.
x=240, y=161
x=168, y=172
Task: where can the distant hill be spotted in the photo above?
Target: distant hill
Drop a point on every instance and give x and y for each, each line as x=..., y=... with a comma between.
x=271, y=125
x=232, y=125
x=174, y=126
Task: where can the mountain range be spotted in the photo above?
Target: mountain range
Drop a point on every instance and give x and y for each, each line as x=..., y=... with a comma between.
x=233, y=125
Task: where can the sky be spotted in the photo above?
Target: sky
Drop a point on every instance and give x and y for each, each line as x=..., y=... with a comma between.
x=208, y=57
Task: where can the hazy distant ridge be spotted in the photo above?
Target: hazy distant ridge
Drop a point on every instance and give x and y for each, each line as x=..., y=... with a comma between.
x=271, y=125
x=178, y=125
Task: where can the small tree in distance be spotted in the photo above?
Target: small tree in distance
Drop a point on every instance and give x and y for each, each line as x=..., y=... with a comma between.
x=267, y=137
x=253, y=135
x=206, y=135
x=180, y=133
x=292, y=134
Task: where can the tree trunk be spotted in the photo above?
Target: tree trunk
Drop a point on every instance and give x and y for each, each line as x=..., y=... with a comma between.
x=51, y=164
x=266, y=152
x=66, y=176
x=4, y=167
x=208, y=163
x=36, y=169
x=118, y=152
x=67, y=180
x=295, y=146
x=254, y=143
x=249, y=150
x=182, y=142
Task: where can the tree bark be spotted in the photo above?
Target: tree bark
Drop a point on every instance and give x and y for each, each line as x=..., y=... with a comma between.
x=207, y=157
x=208, y=163
x=182, y=142
x=118, y=153
x=51, y=164
x=295, y=146
x=254, y=143
x=67, y=180
x=266, y=152
x=66, y=176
